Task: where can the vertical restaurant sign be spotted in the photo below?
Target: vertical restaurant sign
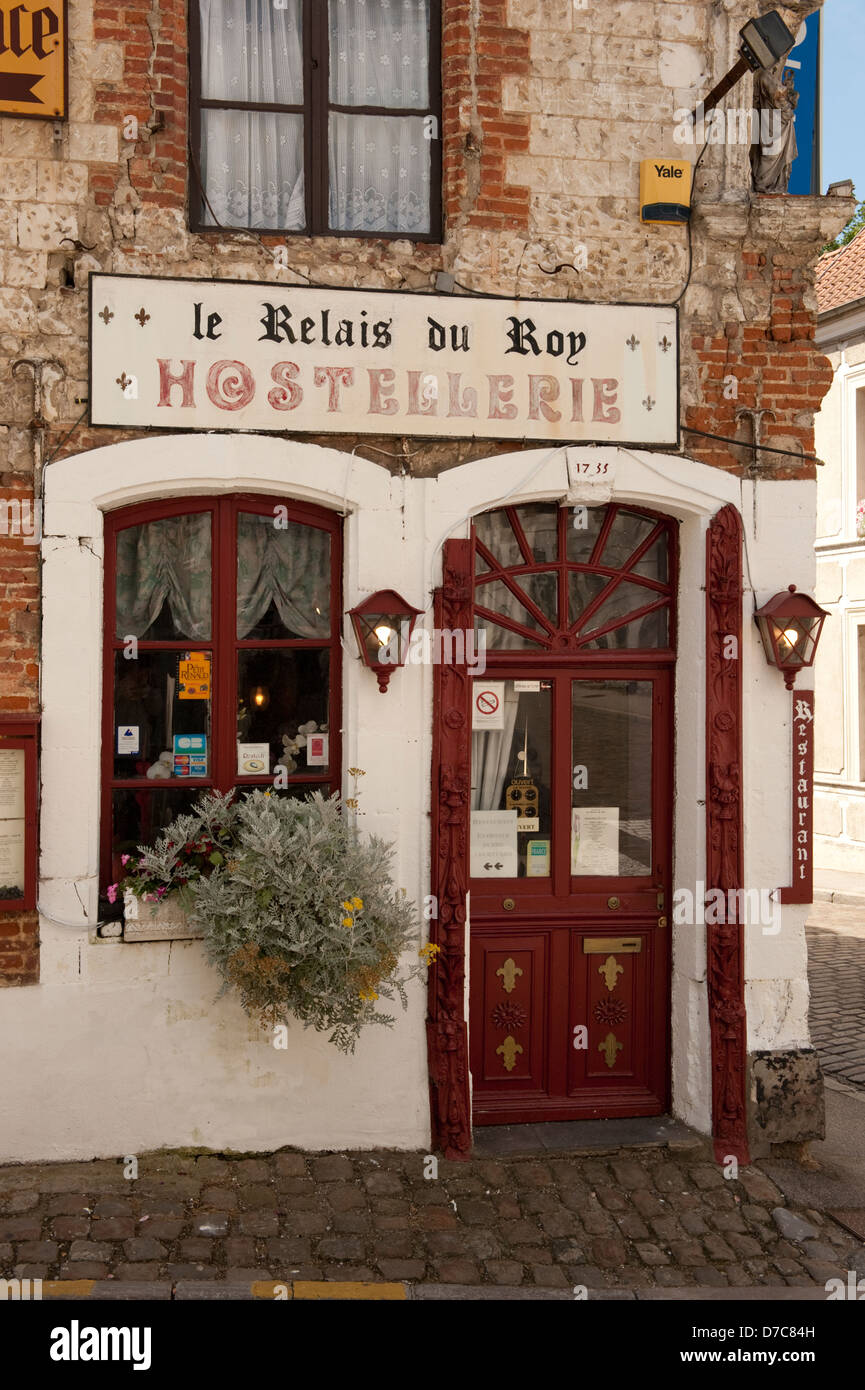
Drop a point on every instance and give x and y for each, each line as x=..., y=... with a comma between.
x=242, y=355
x=802, y=889
x=33, y=59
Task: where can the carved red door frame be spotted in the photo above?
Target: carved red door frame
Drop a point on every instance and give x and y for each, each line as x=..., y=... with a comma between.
x=725, y=947
x=447, y=1034
x=447, y=1030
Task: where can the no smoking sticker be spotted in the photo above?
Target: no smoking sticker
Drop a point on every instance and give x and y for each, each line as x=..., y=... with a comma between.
x=488, y=705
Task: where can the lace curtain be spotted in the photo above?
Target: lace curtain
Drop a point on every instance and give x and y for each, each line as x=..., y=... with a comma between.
x=170, y=561
x=252, y=161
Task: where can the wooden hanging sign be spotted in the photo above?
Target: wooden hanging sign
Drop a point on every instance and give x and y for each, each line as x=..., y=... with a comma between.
x=802, y=888
x=33, y=61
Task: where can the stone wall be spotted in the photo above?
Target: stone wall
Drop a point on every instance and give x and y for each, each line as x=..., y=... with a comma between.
x=548, y=108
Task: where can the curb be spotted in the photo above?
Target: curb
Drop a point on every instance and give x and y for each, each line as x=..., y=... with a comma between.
x=186, y=1291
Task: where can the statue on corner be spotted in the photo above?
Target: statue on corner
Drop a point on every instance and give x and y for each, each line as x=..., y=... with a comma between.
x=772, y=160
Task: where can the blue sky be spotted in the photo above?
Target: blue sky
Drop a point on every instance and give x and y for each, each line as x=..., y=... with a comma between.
x=843, y=119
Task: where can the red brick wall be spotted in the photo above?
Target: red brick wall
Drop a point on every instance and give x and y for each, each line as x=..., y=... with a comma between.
x=776, y=367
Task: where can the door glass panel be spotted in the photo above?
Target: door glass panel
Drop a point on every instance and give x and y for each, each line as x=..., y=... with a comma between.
x=152, y=717
x=583, y=588
x=654, y=563
x=543, y=590
x=625, y=598
x=540, y=524
x=502, y=639
x=511, y=835
x=652, y=630
x=584, y=527
x=626, y=533
x=498, y=598
x=163, y=579
x=283, y=578
x=282, y=704
x=611, y=817
x=494, y=531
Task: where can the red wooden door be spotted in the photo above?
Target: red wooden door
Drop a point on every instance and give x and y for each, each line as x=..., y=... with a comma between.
x=571, y=820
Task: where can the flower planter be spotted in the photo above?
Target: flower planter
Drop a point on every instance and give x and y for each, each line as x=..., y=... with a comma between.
x=160, y=921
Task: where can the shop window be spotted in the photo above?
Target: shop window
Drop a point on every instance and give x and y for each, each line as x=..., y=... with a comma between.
x=222, y=658
x=588, y=579
x=317, y=116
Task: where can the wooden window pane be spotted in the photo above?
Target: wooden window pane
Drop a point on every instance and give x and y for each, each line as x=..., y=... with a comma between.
x=145, y=697
x=252, y=169
x=283, y=579
x=252, y=50
x=163, y=582
x=283, y=697
x=379, y=174
x=379, y=53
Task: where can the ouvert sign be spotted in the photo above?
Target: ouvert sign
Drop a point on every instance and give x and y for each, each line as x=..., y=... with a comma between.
x=241, y=355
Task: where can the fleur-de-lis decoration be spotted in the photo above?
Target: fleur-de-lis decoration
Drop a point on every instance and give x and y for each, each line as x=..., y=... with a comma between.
x=123, y=381
x=632, y=342
x=610, y=1048
x=509, y=972
x=610, y=971
x=665, y=344
x=650, y=403
x=141, y=316
x=508, y=1050
x=106, y=315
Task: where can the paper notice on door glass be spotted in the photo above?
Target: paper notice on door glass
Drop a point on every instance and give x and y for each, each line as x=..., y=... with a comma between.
x=12, y=858
x=494, y=844
x=595, y=840
x=11, y=783
x=488, y=705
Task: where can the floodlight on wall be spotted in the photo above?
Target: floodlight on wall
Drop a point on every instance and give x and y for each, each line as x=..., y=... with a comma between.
x=790, y=625
x=383, y=626
x=763, y=43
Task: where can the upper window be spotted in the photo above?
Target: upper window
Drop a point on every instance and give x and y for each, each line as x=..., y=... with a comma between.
x=588, y=579
x=222, y=652
x=317, y=116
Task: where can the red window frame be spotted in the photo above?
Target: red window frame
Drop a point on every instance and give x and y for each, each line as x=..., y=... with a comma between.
x=22, y=731
x=223, y=644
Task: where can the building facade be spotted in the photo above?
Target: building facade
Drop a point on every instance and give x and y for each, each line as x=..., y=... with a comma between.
x=554, y=449
x=839, y=788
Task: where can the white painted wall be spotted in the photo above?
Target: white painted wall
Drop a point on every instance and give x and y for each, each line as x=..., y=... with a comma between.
x=123, y=1047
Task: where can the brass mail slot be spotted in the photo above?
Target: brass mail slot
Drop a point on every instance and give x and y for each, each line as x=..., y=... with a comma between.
x=602, y=945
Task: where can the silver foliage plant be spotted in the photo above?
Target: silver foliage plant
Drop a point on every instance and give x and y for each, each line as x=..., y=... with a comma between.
x=302, y=917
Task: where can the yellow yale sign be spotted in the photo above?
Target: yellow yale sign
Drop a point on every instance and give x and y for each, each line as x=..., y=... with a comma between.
x=33, y=59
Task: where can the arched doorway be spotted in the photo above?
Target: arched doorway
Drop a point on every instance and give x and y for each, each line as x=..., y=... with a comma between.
x=570, y=826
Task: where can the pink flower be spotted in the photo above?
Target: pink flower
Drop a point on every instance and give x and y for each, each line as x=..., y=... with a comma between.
x=112, y=892
x=125, y=858
x=160, y=892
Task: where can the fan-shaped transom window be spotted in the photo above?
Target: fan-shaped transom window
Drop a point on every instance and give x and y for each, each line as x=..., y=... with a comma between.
x=574, y=579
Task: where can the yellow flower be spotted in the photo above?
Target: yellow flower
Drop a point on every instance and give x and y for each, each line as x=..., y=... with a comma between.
x=357, y=904
x=347, y=906
x=368, y=996
x=429, y=952
x=348, y=921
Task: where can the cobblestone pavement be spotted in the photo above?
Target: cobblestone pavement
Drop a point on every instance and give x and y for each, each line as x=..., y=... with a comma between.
x=836, y=972
x=639, y=1218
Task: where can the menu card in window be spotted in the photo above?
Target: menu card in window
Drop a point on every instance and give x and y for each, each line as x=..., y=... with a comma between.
x=12, y=763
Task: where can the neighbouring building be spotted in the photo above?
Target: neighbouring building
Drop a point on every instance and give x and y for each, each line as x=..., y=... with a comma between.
x=839, y=778
x=380, y=264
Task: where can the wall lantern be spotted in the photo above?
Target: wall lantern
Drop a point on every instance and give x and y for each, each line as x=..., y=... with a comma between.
x=790, y=625
x=383, y=625
x=763, y=42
